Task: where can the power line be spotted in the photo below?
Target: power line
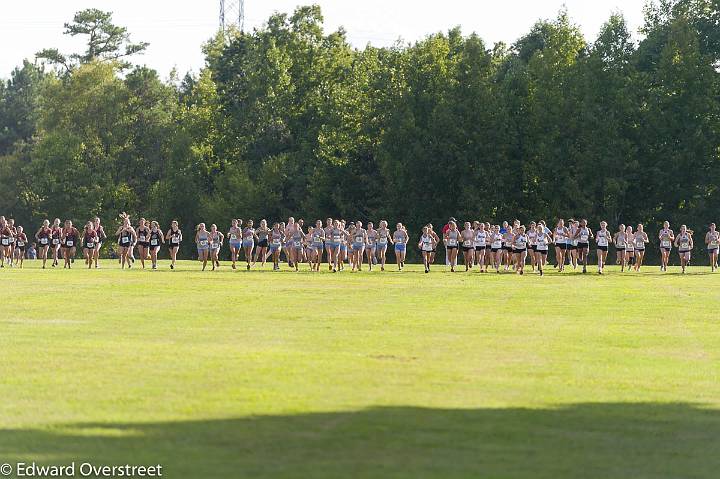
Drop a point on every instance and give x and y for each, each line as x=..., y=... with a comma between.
x=232, y=14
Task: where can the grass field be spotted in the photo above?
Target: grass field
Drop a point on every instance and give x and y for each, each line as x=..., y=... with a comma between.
x=259, y=374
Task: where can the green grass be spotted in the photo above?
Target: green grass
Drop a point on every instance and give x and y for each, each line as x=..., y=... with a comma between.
x=261, y=374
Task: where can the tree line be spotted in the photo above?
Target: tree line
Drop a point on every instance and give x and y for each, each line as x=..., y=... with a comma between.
x=292, y=120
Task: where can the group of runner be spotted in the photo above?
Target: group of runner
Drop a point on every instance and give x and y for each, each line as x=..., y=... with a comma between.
x=483, y=245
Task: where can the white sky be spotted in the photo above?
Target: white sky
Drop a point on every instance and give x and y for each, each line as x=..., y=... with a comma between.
x=176, y=29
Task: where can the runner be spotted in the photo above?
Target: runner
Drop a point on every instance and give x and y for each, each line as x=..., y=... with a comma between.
x=143, y=241
x=20, y=246
x=360, y=240
x=126, y=238
x=202, y=241
x=101, y=237
x=235, y=235
x=68, y=242
x=620, y=243
x=371, y=248
x=481, y=243
x=248, y=242
x=156, y=240
x=452, y=239
x=543, y=240
x=383, y=238
x=641, y=239
x=583, y=234
x=684, y=244
x=666, y=237
x=173, y=238
x=262, y=235
x=400, y=240
x=712, y=240
x=467, y=238
x=43, y=238
x=520, y=242
x=216, y=242
x=89, y=241
x=55, y=241
x=277, y=238
x=426, y=244
x=560, y=238
x=629, y=248
x=603, y=238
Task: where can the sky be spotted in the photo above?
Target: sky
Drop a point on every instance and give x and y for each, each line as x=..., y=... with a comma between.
x=177, y=29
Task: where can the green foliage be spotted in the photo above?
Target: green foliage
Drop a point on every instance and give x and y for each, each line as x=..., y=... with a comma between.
x=290, y=119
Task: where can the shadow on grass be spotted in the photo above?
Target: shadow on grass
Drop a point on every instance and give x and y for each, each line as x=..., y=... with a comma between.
x=579, y=441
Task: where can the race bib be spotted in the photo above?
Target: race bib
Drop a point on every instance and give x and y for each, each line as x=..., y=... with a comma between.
x=685, y=245
x=358, y=239
x=467, y=244
x=153, y=242
x=90, y=244
x=43, y=241
x=175, y=240
x=141, y=238
x=584, y=238
x=665, y=244
x=602, y=242
x=452, y=242
x=21, y=243
x=233, y=237
x=382, y=240
x=203, y=242
x=69, y=242
x=5, y=242
x=124, y=240
x=298, y=244
x=56, y=241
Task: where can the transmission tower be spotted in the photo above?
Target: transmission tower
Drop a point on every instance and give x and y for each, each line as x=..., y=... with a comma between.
x=232, y=14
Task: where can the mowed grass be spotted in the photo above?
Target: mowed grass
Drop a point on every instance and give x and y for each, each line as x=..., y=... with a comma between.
x=295, y=375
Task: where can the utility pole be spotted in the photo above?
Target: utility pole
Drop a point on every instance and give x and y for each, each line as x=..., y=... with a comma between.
x=232, y=14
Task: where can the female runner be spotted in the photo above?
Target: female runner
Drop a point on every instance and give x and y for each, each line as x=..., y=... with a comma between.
x=684, y=244
x=20, y=245
x=4, y=241
x=68, y=241
x=400, y=240
x=202, y=240
x=156, y=240
x=173, y=238
x=629, y=248
x=437, y=242
x=382, y=243
x=426, y=244
x=143, y=241
x=329, y=247
x=712, y=240
x=531, y=235
x=317, y=237
x=620, y=242
x=560, y=238
x=520, y=242
x=641, y=239
x=90, y=239
x=101, y=237
x=297, y=238
x=126, y=237
x=371, y=247
x=248, y=241
x=55, y=241
x=277, y=238
x=603, y=238
x=13, y=239
x=235, y=235
x=508, y=246
x=667, y=237
x=216, y=242
x=481, y=242
x=360, y=240
x=262, y=233
x=467, y=238
x=451, y=239
x=583, y=234
x=542, y=240
x=43, y=237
